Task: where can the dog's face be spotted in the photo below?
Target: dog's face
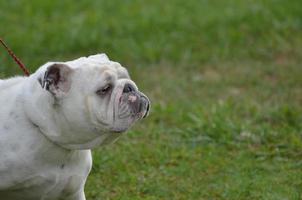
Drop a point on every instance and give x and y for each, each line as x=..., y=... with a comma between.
x=94, y=97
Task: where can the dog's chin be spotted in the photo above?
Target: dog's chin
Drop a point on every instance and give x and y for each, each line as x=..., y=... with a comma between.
x=124, y=124
x=119, y=130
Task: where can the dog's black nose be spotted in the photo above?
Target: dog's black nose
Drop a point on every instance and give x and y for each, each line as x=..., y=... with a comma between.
x=128, y=88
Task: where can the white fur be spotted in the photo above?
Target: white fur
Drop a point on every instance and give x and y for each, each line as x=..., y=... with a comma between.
x=45, y=142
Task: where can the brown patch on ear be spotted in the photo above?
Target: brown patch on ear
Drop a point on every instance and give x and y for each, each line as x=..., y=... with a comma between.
x=57, y=79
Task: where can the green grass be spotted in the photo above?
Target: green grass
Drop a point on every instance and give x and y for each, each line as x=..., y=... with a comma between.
x=225, y=82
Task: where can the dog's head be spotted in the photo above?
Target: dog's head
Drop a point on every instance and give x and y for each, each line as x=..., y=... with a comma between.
x=93, y=96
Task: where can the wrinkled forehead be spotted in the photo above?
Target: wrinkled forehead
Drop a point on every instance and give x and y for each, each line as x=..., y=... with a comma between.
x=105, y=71
x=105, y=68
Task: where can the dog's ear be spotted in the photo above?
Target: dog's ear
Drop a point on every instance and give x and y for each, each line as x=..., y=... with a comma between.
x=56, y=79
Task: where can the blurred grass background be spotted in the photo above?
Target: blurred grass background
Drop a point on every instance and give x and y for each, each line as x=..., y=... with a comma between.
x=224, y=78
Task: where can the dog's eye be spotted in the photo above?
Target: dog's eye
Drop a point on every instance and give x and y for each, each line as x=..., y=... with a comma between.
x=104, y=90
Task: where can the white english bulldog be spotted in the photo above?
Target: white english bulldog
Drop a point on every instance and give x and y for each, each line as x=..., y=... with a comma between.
x=50, y=120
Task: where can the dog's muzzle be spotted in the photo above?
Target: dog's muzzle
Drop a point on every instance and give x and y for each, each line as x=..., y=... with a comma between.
x=138, y=102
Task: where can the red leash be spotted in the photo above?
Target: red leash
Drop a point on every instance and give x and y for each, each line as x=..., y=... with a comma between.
x=21, y=65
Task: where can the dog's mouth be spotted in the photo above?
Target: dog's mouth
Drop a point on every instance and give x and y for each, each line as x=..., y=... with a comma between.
x=134, y=105
x=129, y=107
